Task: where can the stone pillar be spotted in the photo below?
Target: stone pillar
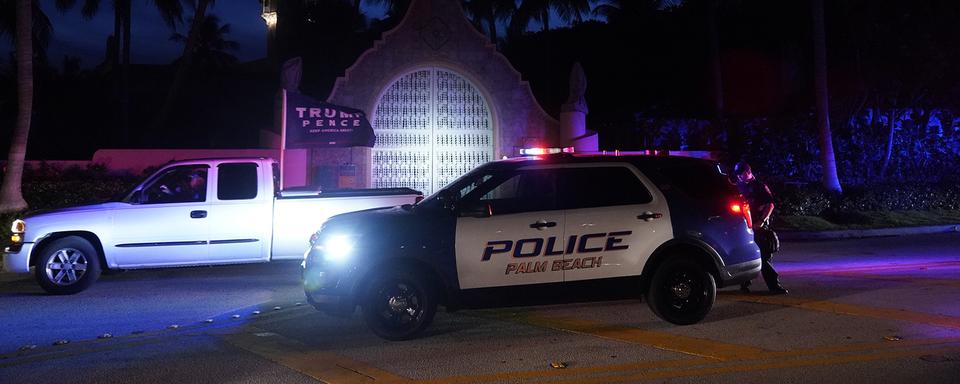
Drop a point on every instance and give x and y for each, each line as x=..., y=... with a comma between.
x=573, y=115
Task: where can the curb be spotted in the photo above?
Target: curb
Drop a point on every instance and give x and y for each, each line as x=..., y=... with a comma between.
x=861, y=233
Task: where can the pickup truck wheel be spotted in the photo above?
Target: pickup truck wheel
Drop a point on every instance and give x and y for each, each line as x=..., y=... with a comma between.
x=398, y=305
x=681, y=291
x=68, y=265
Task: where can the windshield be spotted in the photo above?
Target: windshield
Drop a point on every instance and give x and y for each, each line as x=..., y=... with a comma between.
x=462, y=185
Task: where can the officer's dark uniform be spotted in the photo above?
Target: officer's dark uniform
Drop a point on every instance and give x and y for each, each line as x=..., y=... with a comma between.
x=758, y=195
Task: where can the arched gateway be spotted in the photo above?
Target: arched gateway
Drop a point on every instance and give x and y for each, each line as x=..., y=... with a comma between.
x=432, y=126
x=441, y=100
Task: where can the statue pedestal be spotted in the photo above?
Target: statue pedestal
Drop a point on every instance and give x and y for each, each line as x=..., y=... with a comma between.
x=574, y=132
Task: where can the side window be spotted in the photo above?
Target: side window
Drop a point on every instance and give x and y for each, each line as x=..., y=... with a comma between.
x=516, y=192
x=237, y=181
x=602, y=187
x=182, y=184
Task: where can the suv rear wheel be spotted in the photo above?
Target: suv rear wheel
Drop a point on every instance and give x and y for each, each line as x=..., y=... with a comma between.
x=682, y=291
x=399, y=304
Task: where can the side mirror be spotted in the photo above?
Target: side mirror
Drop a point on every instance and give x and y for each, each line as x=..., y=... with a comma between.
x=478, y=210
x=447, y=198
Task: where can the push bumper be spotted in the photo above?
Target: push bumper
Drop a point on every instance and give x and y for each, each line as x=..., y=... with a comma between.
x=737, y=273
x=16, y=258
x=326, y=291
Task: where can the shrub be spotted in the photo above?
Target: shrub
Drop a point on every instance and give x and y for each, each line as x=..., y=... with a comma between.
x=812, y=200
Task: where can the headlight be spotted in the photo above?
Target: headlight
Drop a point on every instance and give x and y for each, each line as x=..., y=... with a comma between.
x=18, y=228
x=337, y=248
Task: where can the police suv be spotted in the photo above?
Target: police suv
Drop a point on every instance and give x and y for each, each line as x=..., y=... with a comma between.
x=674, y=227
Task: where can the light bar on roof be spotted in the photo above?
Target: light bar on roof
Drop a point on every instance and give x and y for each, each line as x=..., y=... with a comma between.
x=544, y=151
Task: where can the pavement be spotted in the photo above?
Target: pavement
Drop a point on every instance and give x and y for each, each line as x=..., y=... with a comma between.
x=871, y=310
x=864, y=233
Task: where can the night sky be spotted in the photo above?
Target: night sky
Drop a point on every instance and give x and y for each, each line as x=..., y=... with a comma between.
x=75, y=36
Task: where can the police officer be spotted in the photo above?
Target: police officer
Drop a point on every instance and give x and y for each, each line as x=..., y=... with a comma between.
x=761, y=207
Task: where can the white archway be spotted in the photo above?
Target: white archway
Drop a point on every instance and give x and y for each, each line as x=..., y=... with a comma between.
x=432, y=126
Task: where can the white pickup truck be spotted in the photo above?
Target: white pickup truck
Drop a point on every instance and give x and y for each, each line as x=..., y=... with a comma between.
x=192, y=212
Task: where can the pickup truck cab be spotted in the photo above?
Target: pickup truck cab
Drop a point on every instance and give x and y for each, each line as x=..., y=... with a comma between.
x=192, y=212
x=673, y=228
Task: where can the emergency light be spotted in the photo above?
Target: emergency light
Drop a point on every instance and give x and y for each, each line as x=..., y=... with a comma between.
x=544, y=151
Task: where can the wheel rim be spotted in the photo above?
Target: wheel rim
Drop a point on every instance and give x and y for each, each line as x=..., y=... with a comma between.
x=684, y=290
x=400, y=305
x=66, y=266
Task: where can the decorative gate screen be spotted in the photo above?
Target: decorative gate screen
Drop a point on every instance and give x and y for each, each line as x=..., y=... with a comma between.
x=432, y=126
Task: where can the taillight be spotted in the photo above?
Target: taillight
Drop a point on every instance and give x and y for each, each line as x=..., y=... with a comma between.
x=742, y=209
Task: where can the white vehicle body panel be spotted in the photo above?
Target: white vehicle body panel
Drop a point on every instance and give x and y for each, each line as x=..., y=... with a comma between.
x=241, y=230
x=475, y=235
x=623, y=254
x=154, y=235
x=213, y=231
x=295, y=219
x=586, y=243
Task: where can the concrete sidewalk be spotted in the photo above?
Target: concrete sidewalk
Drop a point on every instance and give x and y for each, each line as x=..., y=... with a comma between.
x=861, y=233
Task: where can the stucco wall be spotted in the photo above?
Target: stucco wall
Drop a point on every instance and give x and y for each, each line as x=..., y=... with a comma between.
x=436, y=33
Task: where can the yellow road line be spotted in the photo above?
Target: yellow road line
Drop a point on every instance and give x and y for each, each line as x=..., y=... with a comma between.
x=320, y=365
x=851, y=309
x=875, y=268
x=778, y=364
x=803, y=357
x=661, y=340
x=848, y=348
x=902, y=279
x=503, y=376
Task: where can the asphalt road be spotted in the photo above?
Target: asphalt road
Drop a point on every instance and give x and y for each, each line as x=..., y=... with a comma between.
x=860, y=311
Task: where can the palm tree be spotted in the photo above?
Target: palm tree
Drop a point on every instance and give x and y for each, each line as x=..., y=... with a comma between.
x=41, y=29
x=211, y=46
x=827, y=158
x=186, y=59
x=170, y=10
x=489, y=12
x=539, y=11
x=395, y=8
x=624, y=11
x=11, y=196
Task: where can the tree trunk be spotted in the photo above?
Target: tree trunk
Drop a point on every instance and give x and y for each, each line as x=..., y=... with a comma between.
x=716, y=73
x=890, y=135
x=827, y=158
x=116, y=130
x=546, y=19
x=356, y=6
x=125, y=74
x=492, y=25
x=11, y=196
x=183, y=66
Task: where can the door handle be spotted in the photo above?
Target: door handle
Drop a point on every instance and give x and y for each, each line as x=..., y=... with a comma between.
x=541, y=224
x=648, y=216
x=198, y=214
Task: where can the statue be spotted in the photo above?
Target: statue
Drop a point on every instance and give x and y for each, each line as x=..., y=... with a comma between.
x=576, y=101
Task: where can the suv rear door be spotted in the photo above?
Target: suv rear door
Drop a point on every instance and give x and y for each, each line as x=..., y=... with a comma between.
x=617, y=216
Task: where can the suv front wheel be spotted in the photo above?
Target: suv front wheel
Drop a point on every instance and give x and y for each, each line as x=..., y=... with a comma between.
x=682, y=291
x=399, y=304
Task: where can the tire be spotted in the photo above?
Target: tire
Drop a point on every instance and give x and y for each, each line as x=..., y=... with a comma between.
x=398, y=305
x=67, y=265
x=682, y=291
